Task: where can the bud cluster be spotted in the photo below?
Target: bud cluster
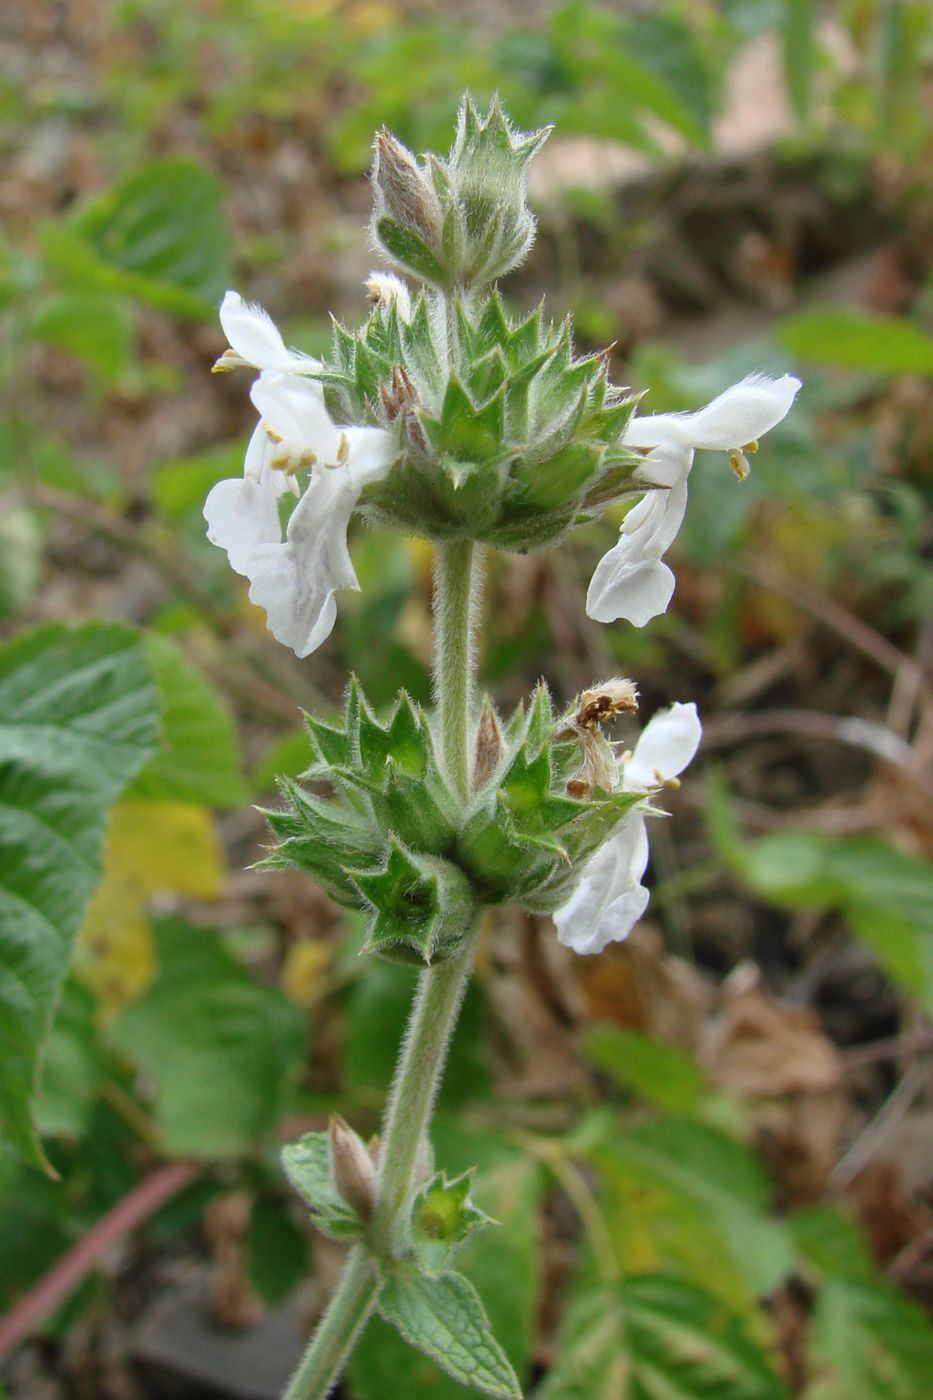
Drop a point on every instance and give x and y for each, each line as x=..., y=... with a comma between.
x=458, y=223
x=391, y=839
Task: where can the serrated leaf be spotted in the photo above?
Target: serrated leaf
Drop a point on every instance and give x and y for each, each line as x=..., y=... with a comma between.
x=217, y=1045
x=78, y=719
x=443, y=1214
x=307, y=1165
x=198, y=760
x=869, y=1342
x=445, y=1319
x=655, y=1336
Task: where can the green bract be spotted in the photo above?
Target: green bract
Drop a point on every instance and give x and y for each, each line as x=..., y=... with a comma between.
x=513, y=446
x=390, y=838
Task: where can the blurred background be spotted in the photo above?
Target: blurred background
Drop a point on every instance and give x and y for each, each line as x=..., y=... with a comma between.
x=725, y=1124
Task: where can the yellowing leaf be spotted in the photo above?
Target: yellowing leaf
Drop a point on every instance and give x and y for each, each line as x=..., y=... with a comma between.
x=151, y=847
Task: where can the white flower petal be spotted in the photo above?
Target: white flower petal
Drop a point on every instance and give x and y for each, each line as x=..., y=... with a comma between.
x=256, y=339
x=295, y=582
x=610, y=899
x=634, y=589
x=742, y=414
x=242, y=515
x=667, y=744
x=630, y=581
x=295, y=410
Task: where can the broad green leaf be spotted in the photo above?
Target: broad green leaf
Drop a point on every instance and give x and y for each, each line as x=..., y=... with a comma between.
x=218, y=1046
x=160, y=235
x=444, y=1318
x=857, y=340
x=869, y=1342
x=94, y=326
x=832, y=1242
x=78, y=719
x=655, y=1070
x=885, y=896
x=198, y=760
x=652, y=1337
x=307, y=1166
x=676, y=1190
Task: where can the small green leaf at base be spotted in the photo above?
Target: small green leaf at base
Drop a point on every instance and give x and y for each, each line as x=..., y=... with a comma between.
x=307, y=1166
x=445, y=1319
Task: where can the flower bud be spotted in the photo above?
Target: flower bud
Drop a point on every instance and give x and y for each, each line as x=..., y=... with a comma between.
x=351, y=1167
x=407, y=219
x=489, y=747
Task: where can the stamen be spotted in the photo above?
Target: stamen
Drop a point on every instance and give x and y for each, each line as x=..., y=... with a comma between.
x=343, y=450
x=271, y=434
x=739, y=464
x=669, y=784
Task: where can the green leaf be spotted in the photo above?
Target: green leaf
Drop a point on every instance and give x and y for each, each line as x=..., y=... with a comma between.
x=180, y=486
x=95, y=327
x=445, y=1319
x=857, y=340
x=679, y=1188
x=21, y=559
x=869, y=1342
x=198, y=759
x=406, y=248
x=799, y=35
x=307, y=1165
x=653, y=1336
x=78, y=719
x=885, y=896
x=218, y=1046
x=72, y=1065
x=443, y=1215
x=278, y=1251
x=655, y=1070
x=505, y=1264
x=832, y=1242
x=160, y=235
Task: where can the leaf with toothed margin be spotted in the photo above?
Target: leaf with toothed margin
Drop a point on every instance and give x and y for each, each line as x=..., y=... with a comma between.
x=444, y=1318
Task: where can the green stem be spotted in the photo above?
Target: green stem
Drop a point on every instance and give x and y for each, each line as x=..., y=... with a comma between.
x=455, y=593
x=344, y=1319
x=434, y=1014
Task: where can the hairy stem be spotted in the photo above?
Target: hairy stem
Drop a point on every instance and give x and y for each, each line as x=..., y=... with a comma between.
x=346, y=1315
x=455, y=599
x=434, y=1014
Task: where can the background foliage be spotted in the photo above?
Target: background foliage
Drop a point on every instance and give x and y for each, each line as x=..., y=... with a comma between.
x=703, y=1146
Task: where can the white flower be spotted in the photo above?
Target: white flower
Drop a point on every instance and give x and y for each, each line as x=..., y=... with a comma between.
x=295, y=579
x=631, y=581
x=256, y=342
x=610, y=898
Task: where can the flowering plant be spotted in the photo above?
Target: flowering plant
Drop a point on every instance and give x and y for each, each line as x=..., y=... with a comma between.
x=445, y=417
